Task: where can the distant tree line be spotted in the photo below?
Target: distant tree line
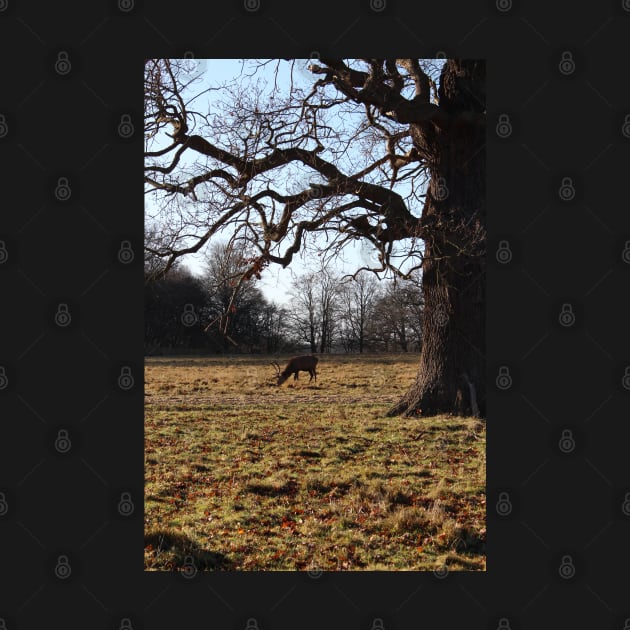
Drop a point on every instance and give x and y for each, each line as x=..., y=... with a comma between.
x=327, y=313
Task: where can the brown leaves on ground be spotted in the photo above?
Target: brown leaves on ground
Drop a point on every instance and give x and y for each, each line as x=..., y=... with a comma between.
x=242, y=476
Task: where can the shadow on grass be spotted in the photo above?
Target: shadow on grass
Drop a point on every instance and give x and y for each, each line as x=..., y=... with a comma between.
x=309, y=454
x=178, y=549
x=271, y=490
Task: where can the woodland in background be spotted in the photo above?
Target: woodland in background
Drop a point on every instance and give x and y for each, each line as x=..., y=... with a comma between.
x=326, y=314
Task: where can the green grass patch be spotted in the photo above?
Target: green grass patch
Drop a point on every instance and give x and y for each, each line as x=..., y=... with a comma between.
x=240, y=475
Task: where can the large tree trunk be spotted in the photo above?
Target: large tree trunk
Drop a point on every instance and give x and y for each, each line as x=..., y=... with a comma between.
x=451, y=376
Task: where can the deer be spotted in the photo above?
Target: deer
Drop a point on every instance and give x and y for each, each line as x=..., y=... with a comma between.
x=295, y=365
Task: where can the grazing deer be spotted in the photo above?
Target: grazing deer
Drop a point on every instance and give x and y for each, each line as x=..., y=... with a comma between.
x=305, y=363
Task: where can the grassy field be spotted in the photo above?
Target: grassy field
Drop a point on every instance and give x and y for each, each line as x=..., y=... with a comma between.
x=242, y=475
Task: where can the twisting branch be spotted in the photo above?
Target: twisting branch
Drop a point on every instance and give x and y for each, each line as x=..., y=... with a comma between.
x=223, y=177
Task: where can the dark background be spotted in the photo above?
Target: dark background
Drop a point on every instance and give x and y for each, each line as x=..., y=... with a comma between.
x=558, y=437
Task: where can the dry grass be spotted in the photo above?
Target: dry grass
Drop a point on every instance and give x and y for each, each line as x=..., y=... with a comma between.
x=241, y=475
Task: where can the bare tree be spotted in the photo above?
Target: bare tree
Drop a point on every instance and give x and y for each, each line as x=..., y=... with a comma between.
x=314, y=306
x=303, y=313
x=274, y=324
x=397, y=316
x=327, y=294
x=357, y=299
x=236, y=304
x=388, y=151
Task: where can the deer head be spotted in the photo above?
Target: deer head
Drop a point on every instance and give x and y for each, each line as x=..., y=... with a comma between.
x=280, y=375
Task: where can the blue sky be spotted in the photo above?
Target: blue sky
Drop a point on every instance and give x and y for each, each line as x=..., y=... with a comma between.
x=275, y=281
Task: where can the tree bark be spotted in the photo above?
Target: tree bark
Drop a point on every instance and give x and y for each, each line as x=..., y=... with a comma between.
x=451, y=375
